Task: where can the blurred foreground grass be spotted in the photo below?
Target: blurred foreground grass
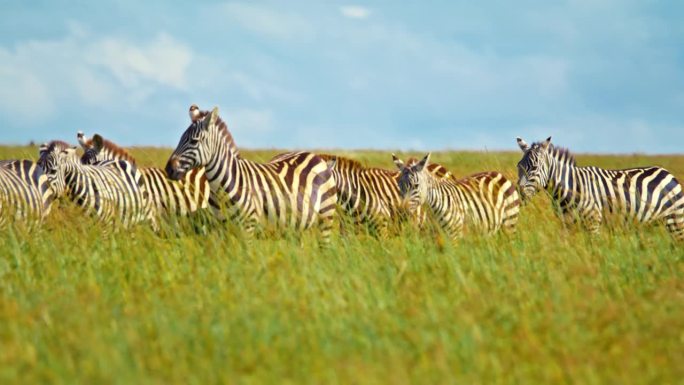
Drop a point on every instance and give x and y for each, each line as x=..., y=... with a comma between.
x=548, y=305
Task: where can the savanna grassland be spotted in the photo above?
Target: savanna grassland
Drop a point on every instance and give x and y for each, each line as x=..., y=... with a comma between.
x=200, y=306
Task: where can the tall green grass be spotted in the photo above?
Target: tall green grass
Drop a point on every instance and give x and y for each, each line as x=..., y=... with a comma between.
x=547, y=305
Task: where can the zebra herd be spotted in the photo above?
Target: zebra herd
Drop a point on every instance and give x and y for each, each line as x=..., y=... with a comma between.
x=303, y=189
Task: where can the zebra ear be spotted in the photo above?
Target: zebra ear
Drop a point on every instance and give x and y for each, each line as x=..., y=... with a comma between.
x=523, y=144
x=42, y=150
x=546, y=143
x=214, y=117
x=70, y=150
x=98, y=142
x=423, y=162
x=397, y=162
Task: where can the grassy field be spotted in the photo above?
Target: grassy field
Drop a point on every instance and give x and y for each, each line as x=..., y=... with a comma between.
x=548, y=305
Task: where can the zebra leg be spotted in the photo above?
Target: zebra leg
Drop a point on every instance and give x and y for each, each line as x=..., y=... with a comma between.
x=249, y=225
x=380, y=227
x=452, y=225
x=510, y=221
x=326, y=217
x=675, y=224
x=591, y=219
x=154, y=224
x=568, y=217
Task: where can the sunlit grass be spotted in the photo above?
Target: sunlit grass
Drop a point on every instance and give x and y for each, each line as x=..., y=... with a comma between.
x=546, y=305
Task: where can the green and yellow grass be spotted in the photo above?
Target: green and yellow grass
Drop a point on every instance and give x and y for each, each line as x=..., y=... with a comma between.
x=548, y=305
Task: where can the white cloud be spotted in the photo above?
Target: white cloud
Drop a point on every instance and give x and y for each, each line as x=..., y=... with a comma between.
x=267, y=21
x=249, y=126
x=355, y=11
x=43, y=76
x=162, y=61
x=249, y=120
x=21, y=92
x=259, y=90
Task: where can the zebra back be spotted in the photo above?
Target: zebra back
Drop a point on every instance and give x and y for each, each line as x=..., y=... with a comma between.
x=169, y=197
x=369, y=194
x=111, y=190
x=295, y=189
x=642, y=194
x=487, y=200
x=372, y=194
x=24, y=191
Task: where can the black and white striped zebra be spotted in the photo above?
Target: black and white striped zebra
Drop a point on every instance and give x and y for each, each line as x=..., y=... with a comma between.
x=371, y=195
x=111, y=190
x=488, y=201
x=25, y=193
x=368, y=194
x=295, y=189
x=170, y=198
x=644, y=194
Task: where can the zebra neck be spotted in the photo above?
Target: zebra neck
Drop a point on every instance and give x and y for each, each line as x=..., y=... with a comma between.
x=348, y=185
x=561, y=180
x=436, y=190
x=223, y=170
x=71, y=173
x=49, y=196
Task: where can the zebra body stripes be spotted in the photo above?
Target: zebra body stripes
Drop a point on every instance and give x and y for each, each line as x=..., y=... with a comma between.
x=25, y=193
x=370, y=195
x=169, y=197
x=295, y=189
x=644, y=194
x=112, y=190
x=488, y=201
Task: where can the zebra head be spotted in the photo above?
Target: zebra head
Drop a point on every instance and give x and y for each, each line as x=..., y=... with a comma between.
x=93, y=151
x=411, y=182
x=533, y=168
x=53, y=157
x=195, y=146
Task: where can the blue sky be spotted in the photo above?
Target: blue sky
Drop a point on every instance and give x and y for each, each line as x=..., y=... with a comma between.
x=598, y=75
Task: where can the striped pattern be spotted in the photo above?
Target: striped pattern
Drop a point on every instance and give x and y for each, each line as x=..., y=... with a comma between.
x=295, y=189
x=170, y=197
x=641, y=195
x=369, y=195
x=112, y=190
x=487, y=201
x=25, y=194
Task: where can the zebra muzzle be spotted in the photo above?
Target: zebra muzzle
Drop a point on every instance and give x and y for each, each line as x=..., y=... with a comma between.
x=172, y=169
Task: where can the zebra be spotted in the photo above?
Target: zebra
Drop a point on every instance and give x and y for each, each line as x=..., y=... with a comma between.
x=170, y=197
x=486, y=200
x=368, y=194
x=112, y=190
x=295, y=188
x=644, y=194
x=371, y=195
x=25, y=192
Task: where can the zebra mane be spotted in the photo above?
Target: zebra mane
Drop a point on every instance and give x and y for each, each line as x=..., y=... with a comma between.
x=114, y=149
x=51, y=148
x=342, y=162
x=223, y=127
x=559, y=153
x=57, y=144
x=436, y=169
